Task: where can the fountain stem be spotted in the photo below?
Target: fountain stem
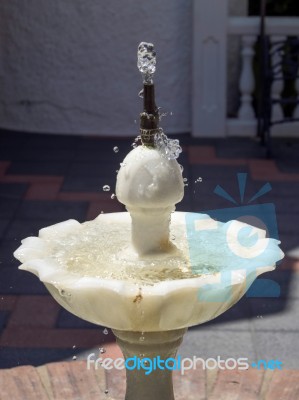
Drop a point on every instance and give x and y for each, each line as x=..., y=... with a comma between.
x=155, y=238
x=148, y=347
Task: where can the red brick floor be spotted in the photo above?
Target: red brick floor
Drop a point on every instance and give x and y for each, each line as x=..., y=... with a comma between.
x=72, y=380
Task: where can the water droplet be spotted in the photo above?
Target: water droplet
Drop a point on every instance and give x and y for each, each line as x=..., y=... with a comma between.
x=115, y=149
x=140, y=94
x=135, y=121
x=134, y=145
x=198, y=180
x=74, y=346
x=162, y=115
x=113, y=196
x=186, y=184
x=185, y=179
x=182, y=168
x=122, y=164
x=106, y=391
x=74, y=357
x=141, y=338
x=171, y=113
x=106, y=188
x=102, y=350
x=105, y=331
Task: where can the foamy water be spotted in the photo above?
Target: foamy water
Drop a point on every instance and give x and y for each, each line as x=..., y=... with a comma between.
x=103, y=250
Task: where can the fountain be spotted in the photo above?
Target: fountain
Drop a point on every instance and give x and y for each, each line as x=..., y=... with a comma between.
x=144, y=273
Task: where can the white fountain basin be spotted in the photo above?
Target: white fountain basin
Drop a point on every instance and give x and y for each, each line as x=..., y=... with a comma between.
x=130, y=306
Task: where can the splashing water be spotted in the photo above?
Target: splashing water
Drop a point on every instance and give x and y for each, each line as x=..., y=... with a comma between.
x=169, y=148
x=106, y=188
x=146, y=61
x=104, y=251
x=162, y=115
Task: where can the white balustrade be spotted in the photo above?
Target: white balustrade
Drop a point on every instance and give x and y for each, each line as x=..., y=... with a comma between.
x=210, y=32
x=278, y=29
x=246, y=111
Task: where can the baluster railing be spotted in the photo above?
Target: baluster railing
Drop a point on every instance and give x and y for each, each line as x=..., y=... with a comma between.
x=296, y=111
x=248, y=28
x=278, y=84
x=246, y=84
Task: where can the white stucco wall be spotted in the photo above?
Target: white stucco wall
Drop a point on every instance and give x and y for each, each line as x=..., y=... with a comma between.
x=70, y=66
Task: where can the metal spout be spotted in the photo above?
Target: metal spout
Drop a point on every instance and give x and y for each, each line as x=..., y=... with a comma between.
x=149, y=118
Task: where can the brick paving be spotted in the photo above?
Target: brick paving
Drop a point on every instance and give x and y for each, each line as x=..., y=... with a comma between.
x=45, y=179
x=72, y=380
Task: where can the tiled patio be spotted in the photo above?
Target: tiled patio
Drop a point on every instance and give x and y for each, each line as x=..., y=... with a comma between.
x=46, y=179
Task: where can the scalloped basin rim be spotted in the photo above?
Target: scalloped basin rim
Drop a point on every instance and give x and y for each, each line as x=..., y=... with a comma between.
x=127, y=306
x=50, y=272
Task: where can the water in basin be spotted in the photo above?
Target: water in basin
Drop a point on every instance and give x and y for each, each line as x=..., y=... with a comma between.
x=104, y=251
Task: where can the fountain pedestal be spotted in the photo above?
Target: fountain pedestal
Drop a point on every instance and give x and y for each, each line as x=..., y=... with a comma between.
x=154, y=346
